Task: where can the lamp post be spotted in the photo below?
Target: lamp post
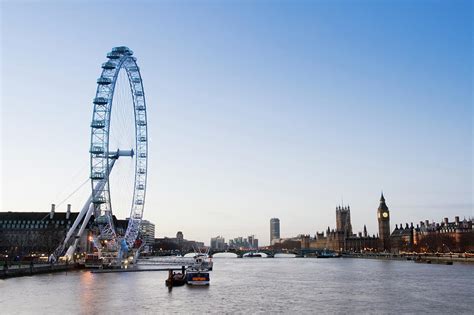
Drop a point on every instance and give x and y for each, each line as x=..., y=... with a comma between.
x=450, y=253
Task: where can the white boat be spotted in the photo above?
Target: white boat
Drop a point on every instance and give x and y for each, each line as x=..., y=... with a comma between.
x=204, y=261
x=198, y=272
x=256, y=254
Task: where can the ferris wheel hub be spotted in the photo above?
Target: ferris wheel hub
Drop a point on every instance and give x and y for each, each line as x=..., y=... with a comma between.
x=119, y=153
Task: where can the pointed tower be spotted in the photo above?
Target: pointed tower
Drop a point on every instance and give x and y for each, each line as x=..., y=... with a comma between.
x=383, y=215
x=365, y=231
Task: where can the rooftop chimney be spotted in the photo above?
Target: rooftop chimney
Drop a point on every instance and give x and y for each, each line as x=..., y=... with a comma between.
x=456, y=219
x=51, y=214
x=68, y=212
x=446, y=221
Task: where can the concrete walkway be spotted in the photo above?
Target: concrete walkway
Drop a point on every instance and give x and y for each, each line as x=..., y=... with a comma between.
x=27, y=270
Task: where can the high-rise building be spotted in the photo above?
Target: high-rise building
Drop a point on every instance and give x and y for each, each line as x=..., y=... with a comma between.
x=255, y=243
x=383, y=215
x=147, y=232
x=250, y=240
x=274, y=230
x=218, y=242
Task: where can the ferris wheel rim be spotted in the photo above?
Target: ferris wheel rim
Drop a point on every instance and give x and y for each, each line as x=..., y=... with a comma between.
x=101, y=161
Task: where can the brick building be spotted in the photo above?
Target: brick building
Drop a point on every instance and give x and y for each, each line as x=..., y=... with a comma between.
x=25, y=233
x=455, y=236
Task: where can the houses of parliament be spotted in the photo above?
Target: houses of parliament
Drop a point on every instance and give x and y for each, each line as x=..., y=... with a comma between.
x=426, y=236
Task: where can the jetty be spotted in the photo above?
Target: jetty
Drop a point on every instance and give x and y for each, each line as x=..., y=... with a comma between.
x=34, y=269
x=133, y=270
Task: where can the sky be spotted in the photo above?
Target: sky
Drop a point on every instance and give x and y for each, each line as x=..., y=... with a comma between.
x=256, y=109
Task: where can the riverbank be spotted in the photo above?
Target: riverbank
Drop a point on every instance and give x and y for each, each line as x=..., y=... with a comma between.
x=30, y=270
x=420, y=258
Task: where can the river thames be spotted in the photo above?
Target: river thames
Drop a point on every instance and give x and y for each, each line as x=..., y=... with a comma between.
x=254, y=285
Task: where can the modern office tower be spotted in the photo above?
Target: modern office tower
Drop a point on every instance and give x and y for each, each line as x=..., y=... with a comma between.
x=274, y=229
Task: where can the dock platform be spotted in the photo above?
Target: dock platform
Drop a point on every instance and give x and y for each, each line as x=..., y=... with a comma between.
x=30, y=270
x=133, y=270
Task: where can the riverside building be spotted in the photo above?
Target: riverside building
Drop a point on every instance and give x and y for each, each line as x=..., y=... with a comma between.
x=343, y=239
x=28, y=233
x=147, y=232
x=445, y=236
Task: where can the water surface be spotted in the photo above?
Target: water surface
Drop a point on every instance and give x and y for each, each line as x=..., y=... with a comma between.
x=253, y=285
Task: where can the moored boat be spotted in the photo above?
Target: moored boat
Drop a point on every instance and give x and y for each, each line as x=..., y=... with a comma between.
x=93, y=261
x=198, y=272
x=175, y=279
x=252, y=255
x=204, y=261
x=197, y=277
x=326, y=254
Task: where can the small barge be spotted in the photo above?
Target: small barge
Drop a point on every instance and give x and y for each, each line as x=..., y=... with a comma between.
x=176, y=279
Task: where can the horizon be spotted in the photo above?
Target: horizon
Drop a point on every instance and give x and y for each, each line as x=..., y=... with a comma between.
x=255, y=111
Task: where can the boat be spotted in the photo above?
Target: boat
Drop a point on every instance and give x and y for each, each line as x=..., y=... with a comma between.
x=93, y=261
x=197, y=277
x=175, y=279
x=198, y=272
x=252, y=255
x=202, y=259
x=326, y=254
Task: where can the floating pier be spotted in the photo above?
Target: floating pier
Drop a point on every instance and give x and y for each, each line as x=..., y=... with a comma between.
x=132, y=270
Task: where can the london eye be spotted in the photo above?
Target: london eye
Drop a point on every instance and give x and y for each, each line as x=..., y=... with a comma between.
x=118, y=130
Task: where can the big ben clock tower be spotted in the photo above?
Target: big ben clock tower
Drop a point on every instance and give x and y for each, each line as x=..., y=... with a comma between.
x=383, y=215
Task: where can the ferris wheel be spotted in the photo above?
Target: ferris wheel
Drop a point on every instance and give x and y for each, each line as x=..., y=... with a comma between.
x=103, y=157
x=105, y=152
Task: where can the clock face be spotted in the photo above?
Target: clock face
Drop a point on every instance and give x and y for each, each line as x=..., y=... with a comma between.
x=385, y=214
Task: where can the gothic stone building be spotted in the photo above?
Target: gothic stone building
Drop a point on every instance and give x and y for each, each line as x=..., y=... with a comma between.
x=343, y=239
x=456, y=236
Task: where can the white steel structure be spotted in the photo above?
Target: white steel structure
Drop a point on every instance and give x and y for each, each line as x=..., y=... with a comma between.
x=103, y=158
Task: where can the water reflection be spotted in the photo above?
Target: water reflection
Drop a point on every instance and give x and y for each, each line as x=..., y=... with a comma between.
x=86, y=296
x=253, y=285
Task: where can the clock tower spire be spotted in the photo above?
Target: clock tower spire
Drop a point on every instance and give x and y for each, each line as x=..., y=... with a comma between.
x=383, y=215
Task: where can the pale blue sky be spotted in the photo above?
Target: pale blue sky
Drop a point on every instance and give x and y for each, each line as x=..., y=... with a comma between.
x=256, y=109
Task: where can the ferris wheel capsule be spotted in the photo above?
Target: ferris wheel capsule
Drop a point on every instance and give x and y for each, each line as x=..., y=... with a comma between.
x=100, y=101
x=108, y=65
x=104, y=81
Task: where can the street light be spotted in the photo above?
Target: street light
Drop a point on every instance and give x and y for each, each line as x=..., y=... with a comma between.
x=450, y=253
